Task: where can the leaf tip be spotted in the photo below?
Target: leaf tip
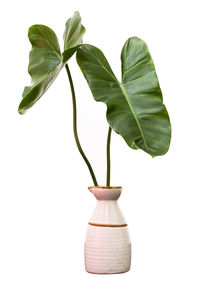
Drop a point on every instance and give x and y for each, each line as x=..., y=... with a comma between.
x=77, y=13
x=21, y=111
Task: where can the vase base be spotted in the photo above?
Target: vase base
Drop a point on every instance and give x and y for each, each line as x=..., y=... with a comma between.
x=107, y=273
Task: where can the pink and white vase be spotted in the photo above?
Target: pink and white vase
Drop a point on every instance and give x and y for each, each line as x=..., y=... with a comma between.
x=107, y=243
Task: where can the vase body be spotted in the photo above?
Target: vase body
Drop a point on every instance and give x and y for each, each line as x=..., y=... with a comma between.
x=107, y=243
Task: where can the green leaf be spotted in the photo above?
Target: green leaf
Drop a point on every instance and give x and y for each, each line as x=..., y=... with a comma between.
x=72, y=36
x=73, y=32
x=135, y=107
x=45, y=58
x=45, y=62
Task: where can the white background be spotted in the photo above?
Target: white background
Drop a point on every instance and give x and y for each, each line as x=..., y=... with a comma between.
x=44, y=201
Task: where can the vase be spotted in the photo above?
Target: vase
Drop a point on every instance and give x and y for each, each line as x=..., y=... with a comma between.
x=107, y=244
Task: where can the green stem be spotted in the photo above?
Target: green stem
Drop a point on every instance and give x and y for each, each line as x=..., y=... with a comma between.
x=75, y=127
x=108, y=156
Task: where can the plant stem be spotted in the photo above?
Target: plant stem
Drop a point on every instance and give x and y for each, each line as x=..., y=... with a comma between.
x=75, y=127
x=108, y=156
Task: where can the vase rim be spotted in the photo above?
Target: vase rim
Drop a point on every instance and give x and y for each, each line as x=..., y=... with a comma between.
x=104, y=187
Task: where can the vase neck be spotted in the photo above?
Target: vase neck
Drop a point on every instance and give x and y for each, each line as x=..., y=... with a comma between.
x=106, y=193
x=107, y=210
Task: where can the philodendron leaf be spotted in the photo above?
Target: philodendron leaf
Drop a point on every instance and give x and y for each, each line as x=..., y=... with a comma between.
x=135, y=107
x=72, y=36
x=74, y=31
x=46, y=60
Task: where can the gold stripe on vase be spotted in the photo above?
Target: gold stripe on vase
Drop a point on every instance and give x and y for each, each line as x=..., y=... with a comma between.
x=107, y=225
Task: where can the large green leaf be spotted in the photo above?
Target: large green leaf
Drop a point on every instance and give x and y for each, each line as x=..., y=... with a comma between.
x=135, y=107
x=45, y=62
x=45, y=58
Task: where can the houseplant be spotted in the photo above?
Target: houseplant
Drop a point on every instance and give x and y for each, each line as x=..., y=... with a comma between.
x=135, y=110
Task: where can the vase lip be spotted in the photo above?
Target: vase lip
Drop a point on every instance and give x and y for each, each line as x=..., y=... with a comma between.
x=104, y=187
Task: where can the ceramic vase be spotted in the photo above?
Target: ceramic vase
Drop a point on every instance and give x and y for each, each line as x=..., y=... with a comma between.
x=107, y=243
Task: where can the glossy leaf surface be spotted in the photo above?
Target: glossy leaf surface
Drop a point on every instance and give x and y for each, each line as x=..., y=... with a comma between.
x=135, y=107
x=74, y=31
x=45, y=58
x=45, y=62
